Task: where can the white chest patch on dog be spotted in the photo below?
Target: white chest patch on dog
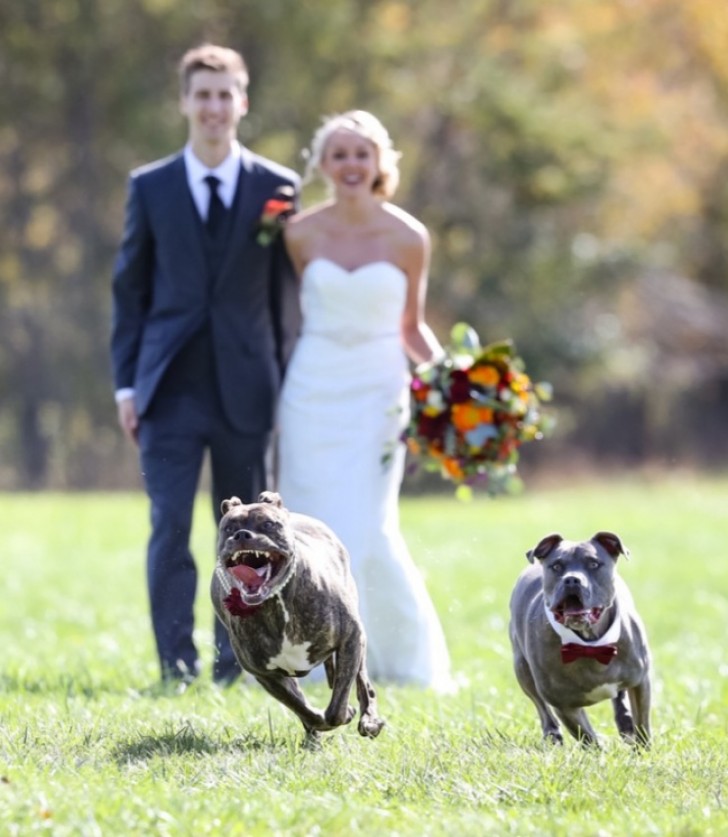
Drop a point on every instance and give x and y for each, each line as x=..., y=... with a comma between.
x=291, y=658
x=608, y=691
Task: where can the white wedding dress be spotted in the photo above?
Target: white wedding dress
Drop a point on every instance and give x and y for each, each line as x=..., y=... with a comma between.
x=343, y=405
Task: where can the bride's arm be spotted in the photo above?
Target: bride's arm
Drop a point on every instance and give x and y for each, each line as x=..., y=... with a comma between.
x=418, y=338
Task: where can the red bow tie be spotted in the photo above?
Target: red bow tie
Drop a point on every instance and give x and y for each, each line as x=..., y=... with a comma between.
x=237, y=607
x=603, y=654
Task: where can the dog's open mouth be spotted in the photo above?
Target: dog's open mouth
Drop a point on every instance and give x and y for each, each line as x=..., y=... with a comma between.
x=257, y=574
x=571, y=610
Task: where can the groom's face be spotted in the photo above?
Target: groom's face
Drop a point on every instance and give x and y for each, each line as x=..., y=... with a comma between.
x=213, y=104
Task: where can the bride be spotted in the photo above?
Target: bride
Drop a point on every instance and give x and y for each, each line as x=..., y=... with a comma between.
x=363, y=266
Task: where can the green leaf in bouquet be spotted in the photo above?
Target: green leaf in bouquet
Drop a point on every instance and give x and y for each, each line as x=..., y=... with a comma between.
x=500, y=349
x=464, y=338
x=544, y=390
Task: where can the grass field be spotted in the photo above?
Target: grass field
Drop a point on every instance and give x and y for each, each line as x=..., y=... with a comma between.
x=85, y=750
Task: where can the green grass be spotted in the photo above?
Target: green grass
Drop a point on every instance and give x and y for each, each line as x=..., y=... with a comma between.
x=84, y=750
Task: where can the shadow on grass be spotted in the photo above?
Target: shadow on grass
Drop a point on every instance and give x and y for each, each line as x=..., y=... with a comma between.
x=67, y=685
x=187, y=741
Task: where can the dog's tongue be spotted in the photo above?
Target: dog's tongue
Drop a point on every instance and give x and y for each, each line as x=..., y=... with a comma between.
x=248, y=576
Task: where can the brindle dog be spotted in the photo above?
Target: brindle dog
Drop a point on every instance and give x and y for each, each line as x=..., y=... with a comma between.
x=283, y=588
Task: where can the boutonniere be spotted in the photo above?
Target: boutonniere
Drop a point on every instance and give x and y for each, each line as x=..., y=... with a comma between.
x=275, y=212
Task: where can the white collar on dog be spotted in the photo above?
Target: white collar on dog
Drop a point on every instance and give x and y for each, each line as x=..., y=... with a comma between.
x=611, y=637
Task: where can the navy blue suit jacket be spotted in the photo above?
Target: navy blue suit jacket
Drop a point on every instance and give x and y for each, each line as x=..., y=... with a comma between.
x=162, y=294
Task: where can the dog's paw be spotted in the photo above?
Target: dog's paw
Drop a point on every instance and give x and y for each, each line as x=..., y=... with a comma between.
x=370, y=726
x=336, y=717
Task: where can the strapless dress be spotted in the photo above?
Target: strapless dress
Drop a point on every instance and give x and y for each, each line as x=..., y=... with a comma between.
x=343, y=405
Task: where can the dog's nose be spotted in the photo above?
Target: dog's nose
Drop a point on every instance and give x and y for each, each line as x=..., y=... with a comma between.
x=572, y=581
x=243, y=535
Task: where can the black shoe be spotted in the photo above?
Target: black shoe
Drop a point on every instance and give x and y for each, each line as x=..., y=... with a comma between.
x=179, y=676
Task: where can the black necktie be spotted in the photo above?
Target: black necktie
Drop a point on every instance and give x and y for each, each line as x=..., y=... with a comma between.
x=216, y=208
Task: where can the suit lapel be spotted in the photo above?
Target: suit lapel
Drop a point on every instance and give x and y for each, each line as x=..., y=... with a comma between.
x=242, y=223
x=187, y=221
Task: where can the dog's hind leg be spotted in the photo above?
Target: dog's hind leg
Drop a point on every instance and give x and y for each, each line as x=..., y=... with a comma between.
x=370, y=724
x=639, y=699
x=349, y=659
x=622, y=716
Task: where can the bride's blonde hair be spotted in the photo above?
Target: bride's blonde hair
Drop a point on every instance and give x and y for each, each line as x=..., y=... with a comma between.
x=367, y=126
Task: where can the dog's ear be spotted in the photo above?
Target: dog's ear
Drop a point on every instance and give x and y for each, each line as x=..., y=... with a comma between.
x=226, y=505
x=543, y=547
x=612, y=543
x=271, y=497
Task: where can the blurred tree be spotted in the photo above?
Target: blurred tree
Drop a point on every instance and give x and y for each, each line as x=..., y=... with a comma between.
x=554, y=150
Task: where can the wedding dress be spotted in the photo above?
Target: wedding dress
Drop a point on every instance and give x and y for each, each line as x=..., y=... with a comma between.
x=343, y=405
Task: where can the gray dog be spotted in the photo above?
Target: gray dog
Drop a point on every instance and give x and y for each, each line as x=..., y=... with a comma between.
x=577, y=638
x=283, y=589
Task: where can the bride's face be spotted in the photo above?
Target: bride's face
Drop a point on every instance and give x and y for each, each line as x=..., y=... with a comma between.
x=350, y=163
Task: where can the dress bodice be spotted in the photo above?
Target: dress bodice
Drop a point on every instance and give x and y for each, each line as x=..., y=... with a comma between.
x=352, y=305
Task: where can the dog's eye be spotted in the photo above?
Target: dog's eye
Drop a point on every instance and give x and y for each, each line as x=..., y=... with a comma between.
x=557, y=568
x=594, y=564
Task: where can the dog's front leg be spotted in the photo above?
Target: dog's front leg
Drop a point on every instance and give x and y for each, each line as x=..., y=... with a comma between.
x=576, y=721
x=287, y=691
x=549, y=724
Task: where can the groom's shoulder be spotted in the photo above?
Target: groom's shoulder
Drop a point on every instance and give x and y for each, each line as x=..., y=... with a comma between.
x=159, y=169
x=264, y=166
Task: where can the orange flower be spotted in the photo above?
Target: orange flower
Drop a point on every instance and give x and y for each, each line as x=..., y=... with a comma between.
x=452, y=468
x=414, y=446
x=275, y=212
x=274, y=207
x=486, y=375
x=468, y=416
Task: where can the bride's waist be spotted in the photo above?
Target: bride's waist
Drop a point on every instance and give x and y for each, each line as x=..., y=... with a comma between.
x=351, y=337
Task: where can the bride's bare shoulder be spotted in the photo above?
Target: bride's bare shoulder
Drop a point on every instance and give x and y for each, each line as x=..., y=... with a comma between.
x=307, y=223
x=311, y=217
x=406, y=226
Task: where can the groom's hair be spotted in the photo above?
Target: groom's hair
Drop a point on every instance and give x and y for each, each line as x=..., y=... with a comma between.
x=218, y=59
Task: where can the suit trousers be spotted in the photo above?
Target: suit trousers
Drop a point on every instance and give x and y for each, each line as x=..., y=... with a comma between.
x=174, y=435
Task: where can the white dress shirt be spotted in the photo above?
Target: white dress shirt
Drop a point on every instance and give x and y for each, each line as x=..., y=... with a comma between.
x=227, y=173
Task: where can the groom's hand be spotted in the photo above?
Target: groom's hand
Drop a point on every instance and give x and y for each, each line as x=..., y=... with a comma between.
x=128, y=419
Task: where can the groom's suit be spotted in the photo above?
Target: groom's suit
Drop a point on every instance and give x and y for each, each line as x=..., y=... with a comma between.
x=202, y=329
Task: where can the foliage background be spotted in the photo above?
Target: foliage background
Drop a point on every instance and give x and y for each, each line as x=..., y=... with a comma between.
x=569, y=159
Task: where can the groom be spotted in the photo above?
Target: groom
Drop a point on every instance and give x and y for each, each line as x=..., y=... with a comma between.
x=204, y=319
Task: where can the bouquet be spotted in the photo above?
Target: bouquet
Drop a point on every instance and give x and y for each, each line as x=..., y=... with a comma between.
x=472, y=410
